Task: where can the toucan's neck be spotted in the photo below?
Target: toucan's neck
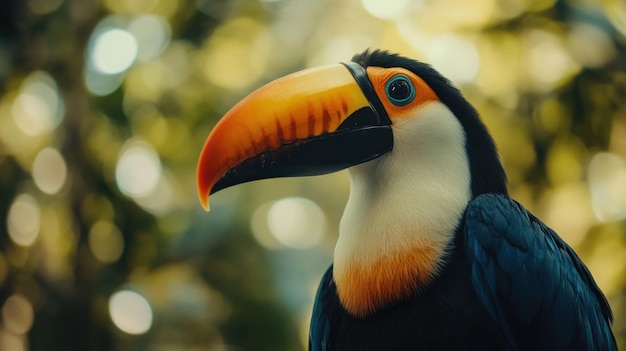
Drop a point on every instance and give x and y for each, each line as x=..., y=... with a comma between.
x=402, y=212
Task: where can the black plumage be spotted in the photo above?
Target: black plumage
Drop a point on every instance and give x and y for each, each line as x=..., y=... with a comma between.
x=509, y=282
x=531, y=282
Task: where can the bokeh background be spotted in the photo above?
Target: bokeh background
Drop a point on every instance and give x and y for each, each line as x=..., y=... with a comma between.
x=105, y=105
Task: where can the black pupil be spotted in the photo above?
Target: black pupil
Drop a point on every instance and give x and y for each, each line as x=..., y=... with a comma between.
x=399, y=89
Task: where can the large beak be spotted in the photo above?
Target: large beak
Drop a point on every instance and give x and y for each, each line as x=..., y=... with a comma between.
x=312, y=122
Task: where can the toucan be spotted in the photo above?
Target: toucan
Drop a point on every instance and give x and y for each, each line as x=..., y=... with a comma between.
x=432, y=253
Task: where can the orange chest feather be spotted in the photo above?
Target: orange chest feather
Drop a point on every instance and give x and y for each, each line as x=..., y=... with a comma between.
x=365, y=288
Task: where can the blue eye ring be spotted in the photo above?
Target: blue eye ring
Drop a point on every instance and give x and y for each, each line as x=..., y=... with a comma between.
x=400, y=90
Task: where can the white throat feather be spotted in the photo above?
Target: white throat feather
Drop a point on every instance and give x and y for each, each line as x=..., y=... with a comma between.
x=402, y=212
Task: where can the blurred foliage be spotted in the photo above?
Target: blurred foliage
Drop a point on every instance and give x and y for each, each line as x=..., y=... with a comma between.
x=105, y=104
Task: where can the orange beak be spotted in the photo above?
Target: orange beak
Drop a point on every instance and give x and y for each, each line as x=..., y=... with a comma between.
x=311, y=122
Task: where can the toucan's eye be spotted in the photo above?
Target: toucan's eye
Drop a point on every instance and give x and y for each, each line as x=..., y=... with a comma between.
x=400, y=90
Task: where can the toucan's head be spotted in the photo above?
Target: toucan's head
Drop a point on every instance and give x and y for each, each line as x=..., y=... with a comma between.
x=416, y=150
x=330, y=118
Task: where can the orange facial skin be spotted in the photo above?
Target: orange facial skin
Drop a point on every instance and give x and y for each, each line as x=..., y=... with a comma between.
x=423, y=93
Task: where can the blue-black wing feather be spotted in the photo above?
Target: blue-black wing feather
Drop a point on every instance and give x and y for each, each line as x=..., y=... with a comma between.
x=321, y=319
x=531, y=282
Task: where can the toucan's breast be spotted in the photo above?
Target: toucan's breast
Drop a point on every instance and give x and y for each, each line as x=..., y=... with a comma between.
x=444, y=315
x=365, y=288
